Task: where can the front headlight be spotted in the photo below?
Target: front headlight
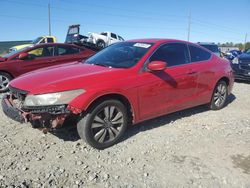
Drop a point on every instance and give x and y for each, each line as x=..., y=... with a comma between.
x=235, y=60
x=12, y=49
x=52, y=98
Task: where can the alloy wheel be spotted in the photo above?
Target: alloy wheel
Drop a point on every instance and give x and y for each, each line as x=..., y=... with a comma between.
x=4, y=82
x=107, y=124
x=220, y=95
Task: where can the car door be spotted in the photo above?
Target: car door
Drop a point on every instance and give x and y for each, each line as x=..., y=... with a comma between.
x=205, y=68
x=113, y=38
x=66, y=54
x=39, y=57
x=162, y=92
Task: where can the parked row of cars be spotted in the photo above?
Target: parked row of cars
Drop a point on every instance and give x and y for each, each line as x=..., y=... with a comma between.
x=123, y=84
x=38, y=56
x=240, y=61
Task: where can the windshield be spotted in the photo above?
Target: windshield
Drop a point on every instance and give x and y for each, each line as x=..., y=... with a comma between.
x=120, y=55
x=15, y=52
x=36, y=40
x=247, y=51
x=212, y=48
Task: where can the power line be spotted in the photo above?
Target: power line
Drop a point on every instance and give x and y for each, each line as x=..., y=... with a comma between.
x=93, y=23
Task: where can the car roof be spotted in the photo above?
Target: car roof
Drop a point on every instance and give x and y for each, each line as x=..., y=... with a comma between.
x=156, y=40
x=55, y=44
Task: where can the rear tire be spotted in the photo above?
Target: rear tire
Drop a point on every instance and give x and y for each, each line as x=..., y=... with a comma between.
x=104, y=124
x=5, y=79
x=219, y=96
x=100, y=44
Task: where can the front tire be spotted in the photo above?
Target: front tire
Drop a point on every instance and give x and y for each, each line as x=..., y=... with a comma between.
x=104, y=124
x=220, y=95
x=100, y=44
x=4, y=81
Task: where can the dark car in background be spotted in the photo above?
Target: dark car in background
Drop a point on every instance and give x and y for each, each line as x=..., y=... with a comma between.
x=212, y=47
x=36, y=57
x=241, y=66
x=231, y=54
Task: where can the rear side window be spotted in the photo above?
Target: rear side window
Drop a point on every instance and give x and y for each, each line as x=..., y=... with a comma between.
x=120, y=38
x=104, y=34
x=50, y=40
x=67, y=50
x=198, y=54
x=174, y=54
x=113, y=35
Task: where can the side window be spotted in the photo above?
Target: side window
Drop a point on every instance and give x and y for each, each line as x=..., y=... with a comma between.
x=198, y=54
x=67, y=50
x=105, y=34
x=50, y=40
x=42, y=41
x=174, y=54
x=113, y=35
x=41, y=52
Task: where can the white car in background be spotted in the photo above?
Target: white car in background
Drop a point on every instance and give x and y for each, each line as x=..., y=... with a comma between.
x=103, y=39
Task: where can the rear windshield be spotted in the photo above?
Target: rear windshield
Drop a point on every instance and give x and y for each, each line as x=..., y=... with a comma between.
x=212, y=48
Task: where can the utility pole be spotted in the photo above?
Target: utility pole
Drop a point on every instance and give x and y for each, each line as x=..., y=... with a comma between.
x=189, y=25
x=49, y=19
x=245, y=44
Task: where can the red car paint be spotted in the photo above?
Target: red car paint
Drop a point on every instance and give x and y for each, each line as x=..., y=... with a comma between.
x=150, y=94
x=16, y=67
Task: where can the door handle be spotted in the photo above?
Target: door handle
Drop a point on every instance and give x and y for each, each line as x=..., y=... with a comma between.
x=51, y=61
x=191, y=72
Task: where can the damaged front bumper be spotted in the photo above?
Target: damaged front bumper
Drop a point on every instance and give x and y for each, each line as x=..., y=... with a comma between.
x=49, y=117
x=11, y=111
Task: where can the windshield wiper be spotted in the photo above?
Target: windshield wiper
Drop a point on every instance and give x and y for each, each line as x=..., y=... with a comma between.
x=103, y=65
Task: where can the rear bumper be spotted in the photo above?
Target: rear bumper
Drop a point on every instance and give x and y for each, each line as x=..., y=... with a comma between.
x=11, y=111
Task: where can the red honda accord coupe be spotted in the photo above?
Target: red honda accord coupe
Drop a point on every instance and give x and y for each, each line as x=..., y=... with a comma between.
x=123, y=84
x=39, y=56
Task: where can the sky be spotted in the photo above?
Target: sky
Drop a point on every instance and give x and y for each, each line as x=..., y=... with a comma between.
x=210, y=21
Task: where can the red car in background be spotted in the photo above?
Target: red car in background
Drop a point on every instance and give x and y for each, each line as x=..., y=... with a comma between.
x=125, y=83
x=36, y=57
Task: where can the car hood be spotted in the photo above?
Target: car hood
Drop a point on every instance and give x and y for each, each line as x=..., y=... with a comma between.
x=66, y=77
x=244, y=56
x=18, y=47
x=2, y=59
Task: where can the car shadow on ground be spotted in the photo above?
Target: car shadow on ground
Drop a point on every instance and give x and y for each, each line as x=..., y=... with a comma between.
x=68, y=132
x=243, y=81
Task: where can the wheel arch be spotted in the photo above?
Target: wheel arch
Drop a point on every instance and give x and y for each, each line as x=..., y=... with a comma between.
x=6, y=72
x=115, y=96
x=100, y=40
x=224, y=78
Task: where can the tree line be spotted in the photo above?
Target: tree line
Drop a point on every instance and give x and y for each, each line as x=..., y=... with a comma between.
x=239, y=45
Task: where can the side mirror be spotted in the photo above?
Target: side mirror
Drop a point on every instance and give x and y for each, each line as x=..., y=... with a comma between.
x=157, y=65
x=23, y=56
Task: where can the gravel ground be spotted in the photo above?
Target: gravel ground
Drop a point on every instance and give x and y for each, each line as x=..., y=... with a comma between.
x=191, y=148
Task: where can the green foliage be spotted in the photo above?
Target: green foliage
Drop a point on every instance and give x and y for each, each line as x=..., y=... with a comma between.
x=239, y=45
x=247, y=45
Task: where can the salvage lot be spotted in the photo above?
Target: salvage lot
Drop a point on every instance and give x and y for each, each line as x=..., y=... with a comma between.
x=191, y=148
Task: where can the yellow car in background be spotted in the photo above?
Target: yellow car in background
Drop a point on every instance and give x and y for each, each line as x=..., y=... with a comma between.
x=38, y=40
